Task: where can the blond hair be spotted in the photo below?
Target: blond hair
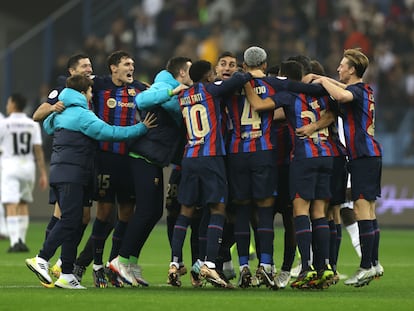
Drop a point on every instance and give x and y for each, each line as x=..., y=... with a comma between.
x=358, y=60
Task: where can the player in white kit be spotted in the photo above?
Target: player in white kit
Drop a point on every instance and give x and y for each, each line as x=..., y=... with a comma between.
x=3, y=227
x=21, y=146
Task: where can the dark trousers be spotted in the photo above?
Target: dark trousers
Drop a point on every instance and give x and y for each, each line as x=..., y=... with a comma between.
x=67, y=230
x=149, y=193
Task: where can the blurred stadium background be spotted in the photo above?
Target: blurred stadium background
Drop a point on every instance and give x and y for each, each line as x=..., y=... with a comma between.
x=36, y=39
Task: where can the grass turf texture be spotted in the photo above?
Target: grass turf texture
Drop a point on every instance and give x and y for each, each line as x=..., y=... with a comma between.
x=21, y=290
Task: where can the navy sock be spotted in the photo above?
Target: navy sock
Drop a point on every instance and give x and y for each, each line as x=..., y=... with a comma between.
x=194, y=239
x=320, y=229
x=332, y=244
x=366, y=238
x=202, y=233
x=375, y=247
x=289, y=241
x=228, y=241
x=86, y=256
x=52, y=222
x=180, y=231
x=98, y=237
x=214, y=236
x=171, y=220
x=117, y=237
x=256, y=241
x=303, y=239
x=242, y=232
x=266, y=234
x=338, y=242
x=289, y=252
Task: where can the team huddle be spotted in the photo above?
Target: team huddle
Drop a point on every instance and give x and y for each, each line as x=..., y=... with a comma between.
x=245, y=142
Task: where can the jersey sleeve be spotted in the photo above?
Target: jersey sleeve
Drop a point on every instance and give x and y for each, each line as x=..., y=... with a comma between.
x=52, y=98
x=37, y=135
x=223, y=88
x=357, y=93
x=315, y=89
x=281, y=99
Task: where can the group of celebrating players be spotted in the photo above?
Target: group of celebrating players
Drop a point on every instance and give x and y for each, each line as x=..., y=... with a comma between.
x=245, y=143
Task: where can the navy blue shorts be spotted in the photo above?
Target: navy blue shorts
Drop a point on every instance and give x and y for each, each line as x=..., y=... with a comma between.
x=115, y=182
x=310, y=178
x=282, y=200
x=365, y=178
x=339, y=180
x=252, y=175
x=203, y=181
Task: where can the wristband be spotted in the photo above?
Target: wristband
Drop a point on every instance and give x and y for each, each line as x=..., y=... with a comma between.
x=170, y=93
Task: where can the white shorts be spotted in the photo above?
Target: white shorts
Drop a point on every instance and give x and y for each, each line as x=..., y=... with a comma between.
x=17, y=181
x=348, y=204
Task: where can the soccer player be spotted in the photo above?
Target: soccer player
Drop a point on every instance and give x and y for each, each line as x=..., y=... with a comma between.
x=339, y=173
x=75, y=130
x=203, y=180
x=21, y=146
x=251, y=169
x=309, y=174
x=147, y=157
x=283, y=204
x=3, y=227
x=224, y=69
x=113, y=102
x=226, y=66
x=365, y=156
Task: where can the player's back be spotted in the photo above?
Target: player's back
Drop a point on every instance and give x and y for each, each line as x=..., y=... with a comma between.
x=202, y=115
x=302, y=110
x=18, y=135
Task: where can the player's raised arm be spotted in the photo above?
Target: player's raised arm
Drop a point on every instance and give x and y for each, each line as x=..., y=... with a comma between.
x=45, y=109
x=257, y=103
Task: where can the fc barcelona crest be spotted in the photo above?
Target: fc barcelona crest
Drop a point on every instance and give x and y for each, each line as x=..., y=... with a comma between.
x=131, y=92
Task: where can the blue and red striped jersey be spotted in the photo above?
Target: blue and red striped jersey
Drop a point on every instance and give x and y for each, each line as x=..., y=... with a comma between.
x=251, y=130
x=301, y=110
x=359, y=123
x=338, y=148
x=202, y=112
x=202, y=117
x=115, y=105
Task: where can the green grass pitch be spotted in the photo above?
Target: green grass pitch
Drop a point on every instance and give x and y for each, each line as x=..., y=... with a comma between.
x=21, y=290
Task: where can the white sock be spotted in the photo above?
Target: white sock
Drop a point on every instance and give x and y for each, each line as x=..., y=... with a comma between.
x=13, y=228
x=353, y=231
x=228, y=265
x=267, y=267
x=23, y=226
x=176, y=264
x=97, y=267
x=210, y=264
x=58, y=262
x=242, y=266
x=3, y=225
